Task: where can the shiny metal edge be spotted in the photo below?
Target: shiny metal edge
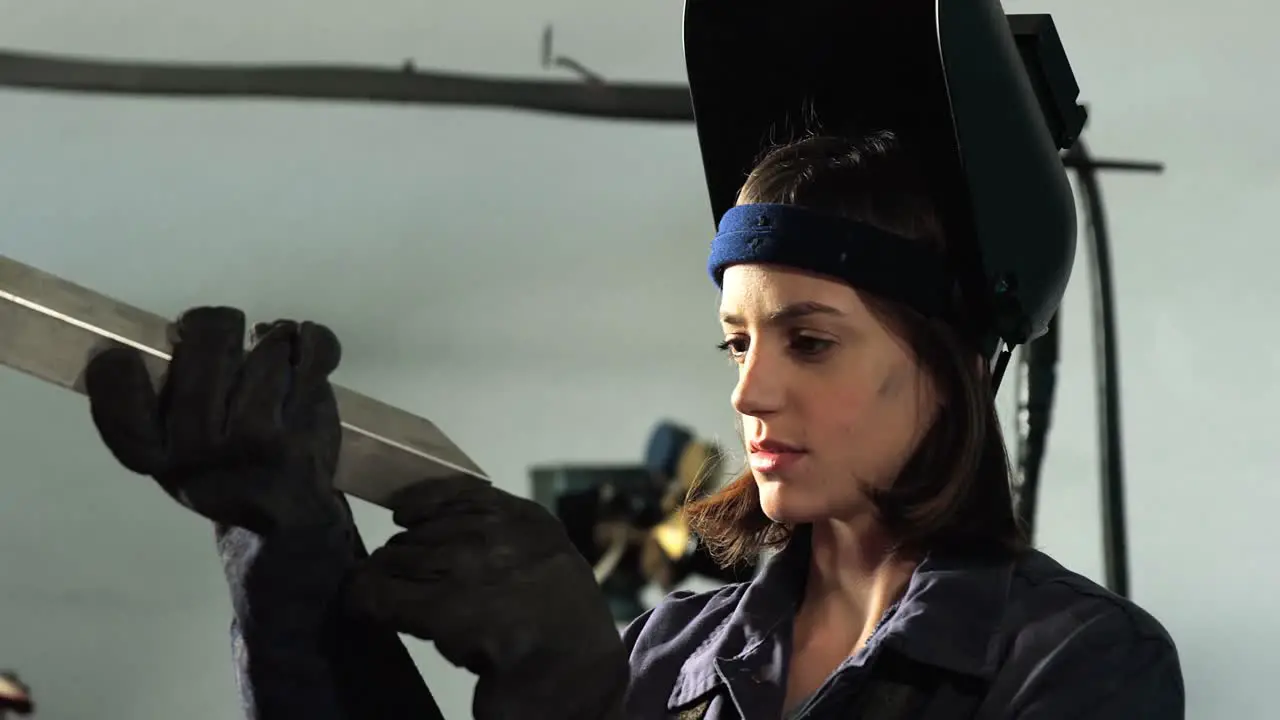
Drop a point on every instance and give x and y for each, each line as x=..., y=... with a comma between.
x=50, y=327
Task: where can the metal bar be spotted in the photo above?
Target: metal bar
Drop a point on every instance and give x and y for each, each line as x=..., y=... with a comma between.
x=50, y=327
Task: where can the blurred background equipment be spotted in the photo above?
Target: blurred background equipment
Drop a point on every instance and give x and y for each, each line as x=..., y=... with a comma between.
x=15, y=697
x=626, y=521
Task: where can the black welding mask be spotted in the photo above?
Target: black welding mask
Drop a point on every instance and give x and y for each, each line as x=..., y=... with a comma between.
x=985, y=100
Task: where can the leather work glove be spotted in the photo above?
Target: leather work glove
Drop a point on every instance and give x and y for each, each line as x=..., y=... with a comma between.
x=250, y=440
x=245, y=438
x=493, y=580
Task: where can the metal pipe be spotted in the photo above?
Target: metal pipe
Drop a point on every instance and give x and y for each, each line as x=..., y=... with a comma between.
x=406, y=84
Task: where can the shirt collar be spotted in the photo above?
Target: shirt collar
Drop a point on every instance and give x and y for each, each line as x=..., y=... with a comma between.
x=951, y=614
x=948, y=617
x=753, y=638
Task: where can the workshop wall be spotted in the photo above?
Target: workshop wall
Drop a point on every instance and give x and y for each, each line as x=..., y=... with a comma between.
x=535, y=285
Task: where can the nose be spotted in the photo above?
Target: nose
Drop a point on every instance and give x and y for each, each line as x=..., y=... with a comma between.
x=760, y=389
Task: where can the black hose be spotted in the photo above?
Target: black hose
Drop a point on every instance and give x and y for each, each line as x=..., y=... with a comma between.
x=1114, y=533
x=1037, y=383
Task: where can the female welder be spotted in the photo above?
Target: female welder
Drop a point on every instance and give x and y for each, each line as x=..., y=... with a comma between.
x=902, y=587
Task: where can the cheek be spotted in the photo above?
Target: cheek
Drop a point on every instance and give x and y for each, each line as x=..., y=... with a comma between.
x=842, y=411
x=872, y=428
x=858, y=393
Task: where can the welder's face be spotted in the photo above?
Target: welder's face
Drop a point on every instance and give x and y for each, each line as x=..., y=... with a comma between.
x=831, y=402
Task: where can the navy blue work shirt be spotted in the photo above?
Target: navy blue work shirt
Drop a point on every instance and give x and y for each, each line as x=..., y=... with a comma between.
x=1039, y=641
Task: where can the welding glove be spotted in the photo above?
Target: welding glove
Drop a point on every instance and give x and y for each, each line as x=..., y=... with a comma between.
x=250, y=440
x=245, y=438
x=493, y=580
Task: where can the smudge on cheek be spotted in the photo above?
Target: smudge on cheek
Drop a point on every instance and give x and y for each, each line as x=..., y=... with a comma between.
x=890, y=384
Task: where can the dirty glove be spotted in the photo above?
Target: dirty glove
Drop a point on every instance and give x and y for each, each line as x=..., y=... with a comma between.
x=246, y=439
x=493, y=580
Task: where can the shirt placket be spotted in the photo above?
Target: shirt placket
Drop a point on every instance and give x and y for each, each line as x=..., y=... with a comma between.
x=843, y=684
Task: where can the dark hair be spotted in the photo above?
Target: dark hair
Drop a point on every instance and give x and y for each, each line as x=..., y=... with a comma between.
x=954, y=492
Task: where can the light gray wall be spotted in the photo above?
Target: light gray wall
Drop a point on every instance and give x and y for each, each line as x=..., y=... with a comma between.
x=535, y=285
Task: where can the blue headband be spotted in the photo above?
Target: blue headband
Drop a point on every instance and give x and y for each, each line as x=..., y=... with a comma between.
x=863, y=256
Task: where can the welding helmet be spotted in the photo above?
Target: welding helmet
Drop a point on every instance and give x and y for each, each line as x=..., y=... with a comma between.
x=985, y=100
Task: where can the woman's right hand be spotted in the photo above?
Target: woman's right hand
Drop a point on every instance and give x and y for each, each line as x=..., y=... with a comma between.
x=247, y=439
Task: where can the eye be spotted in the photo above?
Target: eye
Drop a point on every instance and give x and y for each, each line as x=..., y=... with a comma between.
x=809, y=346
x=734, y=347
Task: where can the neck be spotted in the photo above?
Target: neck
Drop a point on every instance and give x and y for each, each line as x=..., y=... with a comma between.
x=854, y=577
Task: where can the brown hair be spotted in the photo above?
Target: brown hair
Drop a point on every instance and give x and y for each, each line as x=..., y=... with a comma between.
x=954, y=492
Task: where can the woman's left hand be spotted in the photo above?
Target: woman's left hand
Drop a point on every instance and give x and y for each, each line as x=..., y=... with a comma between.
x=493, y=580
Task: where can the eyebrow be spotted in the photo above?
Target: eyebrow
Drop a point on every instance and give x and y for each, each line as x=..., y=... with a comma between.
x=789, y=313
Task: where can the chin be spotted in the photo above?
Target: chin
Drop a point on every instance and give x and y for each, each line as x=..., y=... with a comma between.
x=789, y=505
x=795, y=503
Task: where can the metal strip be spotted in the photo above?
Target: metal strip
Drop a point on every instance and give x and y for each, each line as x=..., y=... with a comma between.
x=50, y=327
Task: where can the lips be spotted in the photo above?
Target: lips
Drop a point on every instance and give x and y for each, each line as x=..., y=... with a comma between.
x=774, y=457
x=775, y=447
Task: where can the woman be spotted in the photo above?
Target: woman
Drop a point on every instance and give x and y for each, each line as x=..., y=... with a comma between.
x=877, y=467
x=903, y=587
